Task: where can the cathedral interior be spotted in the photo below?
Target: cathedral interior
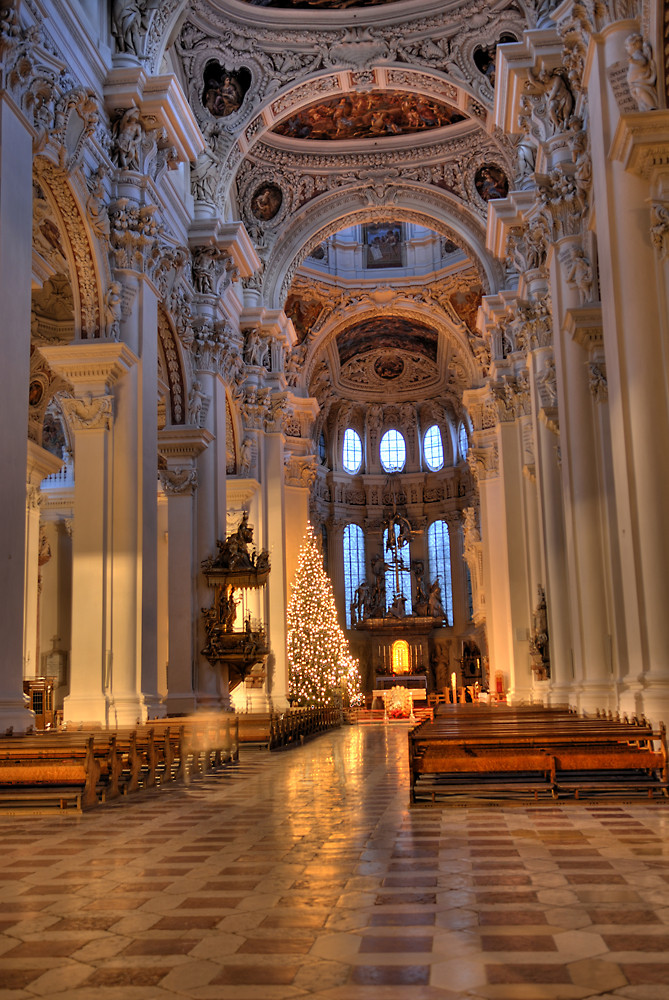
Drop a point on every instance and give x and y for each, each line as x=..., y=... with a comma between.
x=394, y=269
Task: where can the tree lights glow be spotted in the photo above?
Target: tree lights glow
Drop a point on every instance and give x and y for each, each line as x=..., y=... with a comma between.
x=321, y=668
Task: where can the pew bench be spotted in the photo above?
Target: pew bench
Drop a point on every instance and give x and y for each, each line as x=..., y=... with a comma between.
x=542, y=757
x=50, y=773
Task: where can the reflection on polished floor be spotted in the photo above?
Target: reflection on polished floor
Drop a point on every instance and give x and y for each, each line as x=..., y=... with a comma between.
x=305, y=874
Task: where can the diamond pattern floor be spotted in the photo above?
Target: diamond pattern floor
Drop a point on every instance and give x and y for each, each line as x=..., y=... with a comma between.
x=305, y=874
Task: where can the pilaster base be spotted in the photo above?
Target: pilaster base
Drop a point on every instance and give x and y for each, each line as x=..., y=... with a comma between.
x=91, y=711
x=131, y=711
x=655, y=701
x=180, y=704
x=256, y=700
x=16, y=717
x=597, y=696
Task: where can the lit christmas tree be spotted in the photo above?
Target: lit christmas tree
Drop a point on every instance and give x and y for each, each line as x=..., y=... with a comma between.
x=321, y=668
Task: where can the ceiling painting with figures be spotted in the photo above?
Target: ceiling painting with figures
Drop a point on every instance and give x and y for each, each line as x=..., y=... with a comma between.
x=375, y=114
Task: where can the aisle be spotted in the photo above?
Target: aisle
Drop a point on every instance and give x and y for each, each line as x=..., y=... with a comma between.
x=305, y=874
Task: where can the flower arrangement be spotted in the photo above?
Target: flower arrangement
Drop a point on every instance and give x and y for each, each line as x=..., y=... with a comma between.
x=398, y=703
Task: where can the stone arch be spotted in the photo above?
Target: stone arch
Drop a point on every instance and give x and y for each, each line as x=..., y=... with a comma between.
x=88, y=269
x=448, y=333
x=433, y=209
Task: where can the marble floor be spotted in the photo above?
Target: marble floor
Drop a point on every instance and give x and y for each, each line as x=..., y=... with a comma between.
x=305, y=874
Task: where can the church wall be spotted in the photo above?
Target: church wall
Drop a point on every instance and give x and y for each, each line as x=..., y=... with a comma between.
x=146, y=205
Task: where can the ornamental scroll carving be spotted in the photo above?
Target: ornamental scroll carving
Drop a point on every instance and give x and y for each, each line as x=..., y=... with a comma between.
x=89, y=295
x=659, y=228
x=300, y=470
x=89, y=413
x=179, y=482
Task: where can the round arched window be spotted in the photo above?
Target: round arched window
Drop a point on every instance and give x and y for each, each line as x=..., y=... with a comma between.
x=433, y=449
x=352, y=456
x=393, y=451
x=463, y=441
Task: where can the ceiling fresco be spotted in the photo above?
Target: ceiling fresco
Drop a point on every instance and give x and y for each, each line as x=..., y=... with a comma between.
x=372, y=115
x=390, y=332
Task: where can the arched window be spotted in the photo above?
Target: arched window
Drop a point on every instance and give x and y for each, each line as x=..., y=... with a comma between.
x=400, y=654
x=433, y=449
x=352, y=456
x=439, y=550
x=401, y=577
x=393, y=451
x=322, y=450
x=354, y=565
x=463, y=441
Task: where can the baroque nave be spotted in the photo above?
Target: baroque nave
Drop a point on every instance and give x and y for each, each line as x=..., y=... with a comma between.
x=390, y=276
x=398, y=271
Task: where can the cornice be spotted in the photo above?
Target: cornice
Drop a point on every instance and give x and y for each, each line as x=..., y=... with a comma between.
x=584, y=325
x=91, y=366
x=641, y=143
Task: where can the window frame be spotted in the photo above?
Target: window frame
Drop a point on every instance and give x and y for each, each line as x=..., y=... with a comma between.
x=430, y=467
x=400, y=437
x=348, y=433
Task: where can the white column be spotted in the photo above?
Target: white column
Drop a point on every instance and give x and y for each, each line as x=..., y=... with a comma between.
x=162, y=638
x=552, y=524
x=92, y=368
x=41, y=463
x=636, y=340
x=582, y=495
x=211, y=685
x=134, y=689
x=15, y=274
x=180, y=446
x=274, y=530
x=335, y=530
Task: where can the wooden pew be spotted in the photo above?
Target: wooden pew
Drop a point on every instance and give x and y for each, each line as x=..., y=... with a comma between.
x=49, y=772
x=541, y=752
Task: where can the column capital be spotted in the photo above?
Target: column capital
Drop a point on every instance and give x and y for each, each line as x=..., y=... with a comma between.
x=89, y=413
x=159, y=98
x=584, y=325
x=41, y=463
x=230, y=238
x=183, y=443
x=641, y=144
x=92, y=367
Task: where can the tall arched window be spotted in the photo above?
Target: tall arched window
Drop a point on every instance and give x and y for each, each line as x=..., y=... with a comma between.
x=401, y=577
x=354, y=564
x=463, y=442
x=439, y=550
x=352, y=453
x=393, y=451
x=433, y=449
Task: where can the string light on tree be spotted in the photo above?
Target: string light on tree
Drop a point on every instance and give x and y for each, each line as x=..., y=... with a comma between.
x=321, y=668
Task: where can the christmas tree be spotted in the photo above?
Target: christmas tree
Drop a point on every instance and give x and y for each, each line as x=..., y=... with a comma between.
x=321, y=668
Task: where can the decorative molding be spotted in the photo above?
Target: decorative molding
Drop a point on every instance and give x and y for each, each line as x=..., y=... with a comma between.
x=179, y=482
x=89, y=413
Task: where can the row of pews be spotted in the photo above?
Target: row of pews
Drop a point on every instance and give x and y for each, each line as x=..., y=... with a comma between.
x=80, y=769
x=278, y=730
x=502, y=752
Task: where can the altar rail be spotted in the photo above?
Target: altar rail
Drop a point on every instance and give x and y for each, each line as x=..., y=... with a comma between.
x=79, y=769
x=491, y=753
x=277, y=730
